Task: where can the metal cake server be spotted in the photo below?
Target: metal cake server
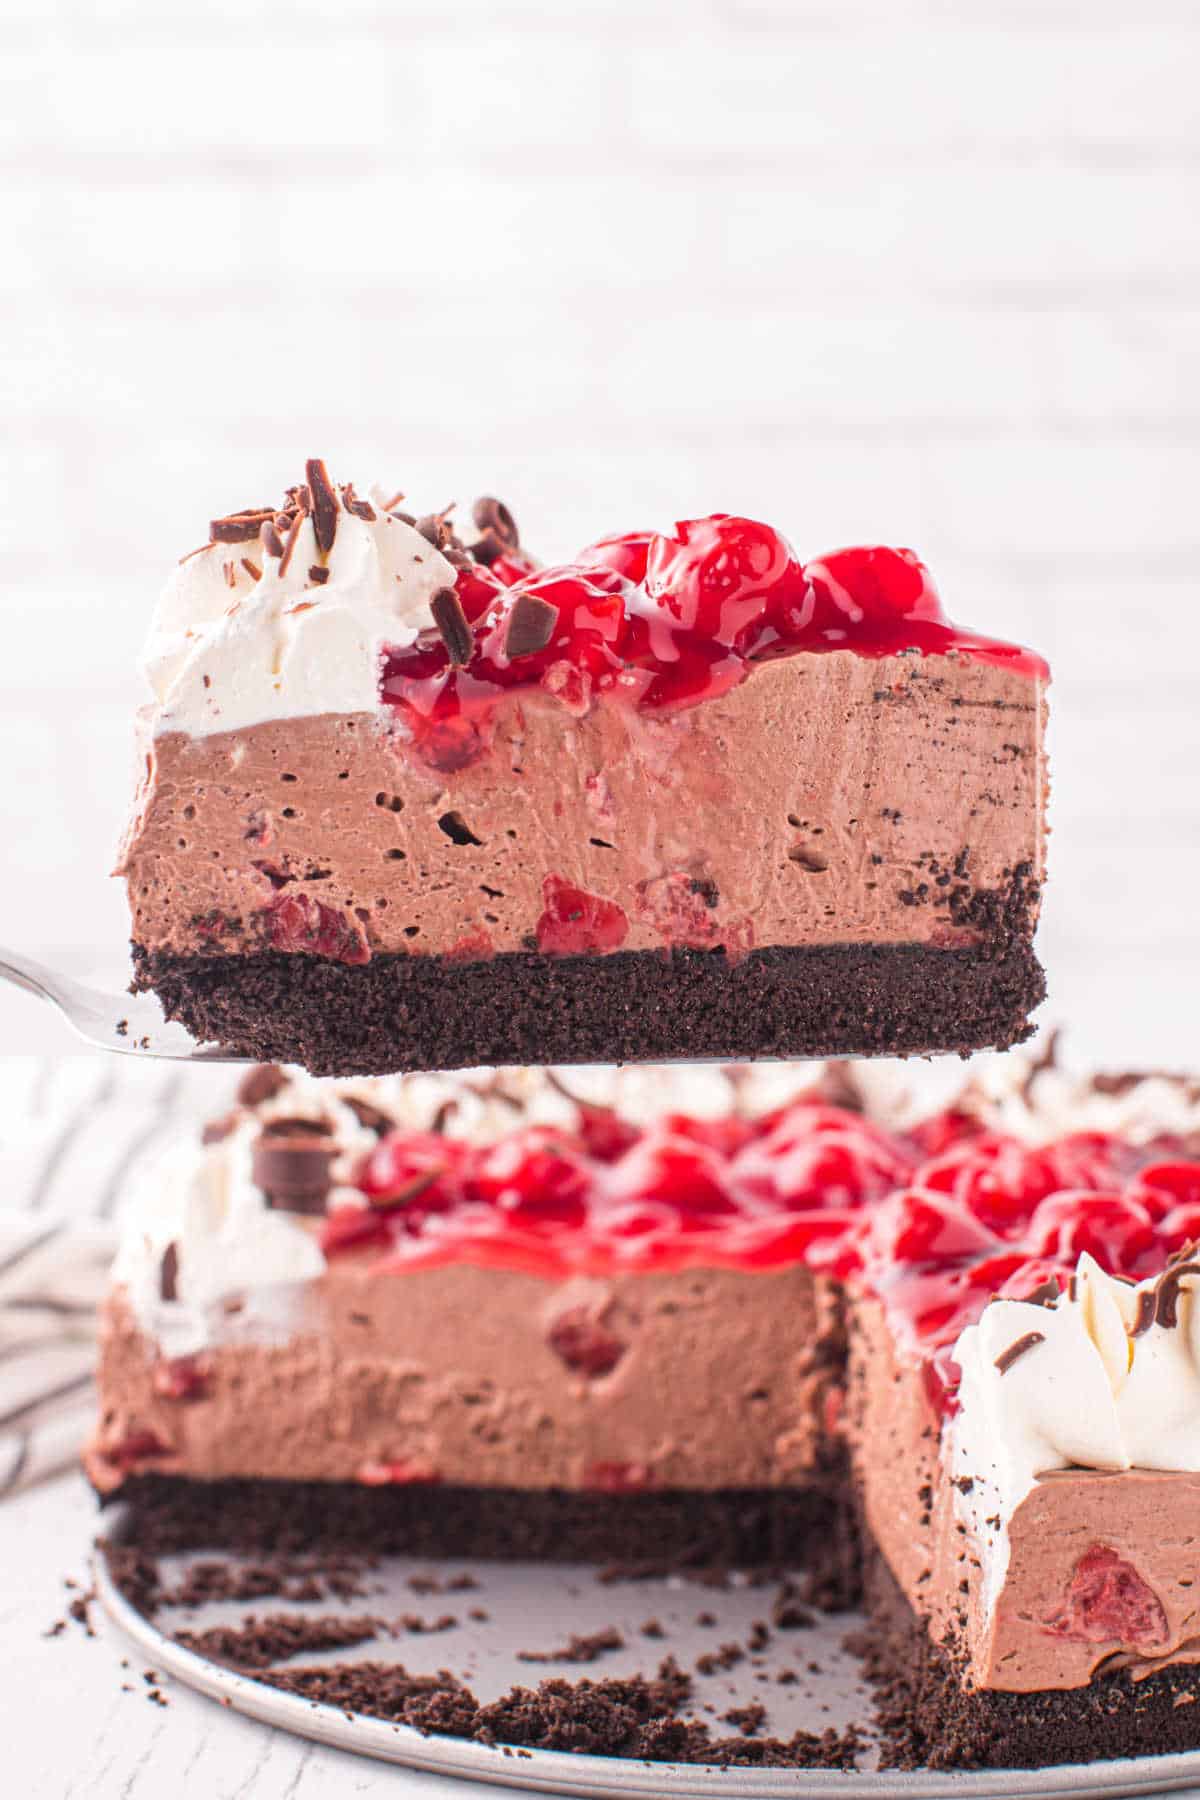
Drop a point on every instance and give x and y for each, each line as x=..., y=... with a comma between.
x=130, y=1024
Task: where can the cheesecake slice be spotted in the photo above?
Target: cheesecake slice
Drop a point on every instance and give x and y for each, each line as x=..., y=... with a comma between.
x=409, y=801
x=720, y=1320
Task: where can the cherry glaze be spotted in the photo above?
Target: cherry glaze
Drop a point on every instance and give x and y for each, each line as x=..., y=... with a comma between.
x=669, y=621
x=935, y=1237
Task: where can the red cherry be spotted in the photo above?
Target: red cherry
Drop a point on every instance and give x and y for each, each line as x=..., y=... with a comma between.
x=1106, y=1601
x=676, y=1172
x=298, y=923
x=627, y=554
x=713, y=577
x=1033, y=1273
x=353, y=1228
x=536, y=1178
x=1165, y=1185
x=478, y=588
x=1114, y=1228
x=585, y=633
x=184, y=1378
x=618, y=1477
x=723, y=1136
x=871, y=584
x=916, y=1227
x=584, y=1342
x=604, y=1134
x=575, y=922
x=1180, y=1226
x=414, y=1169
x=513, y=566
x=397, y=1472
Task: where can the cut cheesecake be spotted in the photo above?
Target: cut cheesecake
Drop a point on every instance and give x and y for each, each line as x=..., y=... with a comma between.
x=408, y=801
x=496, y=1317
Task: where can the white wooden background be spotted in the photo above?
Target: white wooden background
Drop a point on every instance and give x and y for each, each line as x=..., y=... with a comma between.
x=925, y=273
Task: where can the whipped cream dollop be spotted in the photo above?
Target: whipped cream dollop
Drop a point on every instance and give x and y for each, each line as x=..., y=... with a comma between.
x=244, y=633
x=1105, y=1377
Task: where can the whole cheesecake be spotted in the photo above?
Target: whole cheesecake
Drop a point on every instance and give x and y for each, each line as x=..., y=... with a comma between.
x=410, y=801
x=718, y=1318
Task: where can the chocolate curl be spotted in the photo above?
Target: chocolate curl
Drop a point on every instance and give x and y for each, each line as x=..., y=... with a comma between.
x=291, y=1164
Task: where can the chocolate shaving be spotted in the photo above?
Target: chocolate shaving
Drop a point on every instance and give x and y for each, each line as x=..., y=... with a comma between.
x=1147, y=1304
x=1046, y=1293
x=530, y=626
x=318, y=574
x=495, y=521
x=1166, y=1293
x=293, y=532
x=451, y=621
x=435, y=527
x=1030, y=1341
x=362, y=509
x=270, y=540
x=411, y=1190
x=391, y=504
x=324, y=504
x=252, y=569
x=239, y=527
x=168, y=1273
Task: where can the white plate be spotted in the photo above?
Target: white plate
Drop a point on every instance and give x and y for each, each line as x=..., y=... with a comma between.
x=538, y=1607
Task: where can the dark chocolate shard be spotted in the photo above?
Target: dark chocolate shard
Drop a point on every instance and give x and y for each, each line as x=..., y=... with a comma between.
x=1030, y=1341
x=168, y=1273
x=530, y=626
x=451, y=621
x=361, y=509
x=1046, y=1293
x=324, y=504
x=270, y=539
x=240, y=527
x=436, y=529
x=318, y=574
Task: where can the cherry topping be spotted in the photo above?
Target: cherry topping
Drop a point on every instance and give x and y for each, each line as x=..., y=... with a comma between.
x=1114, y=1228
x=628, y=554
x=714, y=577
x=575, y=922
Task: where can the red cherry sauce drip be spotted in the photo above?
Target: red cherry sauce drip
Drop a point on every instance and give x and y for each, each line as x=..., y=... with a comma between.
x=666, y=622
x=935, y=1237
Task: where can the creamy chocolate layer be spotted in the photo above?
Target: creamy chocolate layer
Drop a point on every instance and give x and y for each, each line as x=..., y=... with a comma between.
x=696, y=1379
x=830, y=798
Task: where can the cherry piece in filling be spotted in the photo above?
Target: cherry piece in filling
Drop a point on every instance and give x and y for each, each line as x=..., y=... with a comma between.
x=575, y=922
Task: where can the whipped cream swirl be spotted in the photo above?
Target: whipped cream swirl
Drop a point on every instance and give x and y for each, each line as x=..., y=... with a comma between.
x=241, y=635
x=1105, y=1377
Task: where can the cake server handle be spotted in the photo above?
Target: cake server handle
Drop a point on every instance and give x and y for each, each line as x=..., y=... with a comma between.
x=130, y=1024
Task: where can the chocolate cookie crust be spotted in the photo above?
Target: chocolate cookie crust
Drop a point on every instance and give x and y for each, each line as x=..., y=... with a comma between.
x=670, y=1528
x=402, y=1012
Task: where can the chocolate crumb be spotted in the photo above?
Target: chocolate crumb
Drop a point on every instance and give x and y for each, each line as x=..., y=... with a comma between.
x=261, y=1083
x=585, y=1649
x=318, y=575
